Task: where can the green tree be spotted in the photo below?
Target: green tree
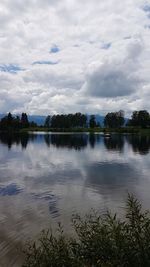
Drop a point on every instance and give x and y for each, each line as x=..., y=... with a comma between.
x=24, y=120
x=114, y=119
x=92, y=121
x=68, y=120
x=47, y=121
x=101, y=240
x=9, y=118
x=16, y=123
x=140, y=118
x=7, y=122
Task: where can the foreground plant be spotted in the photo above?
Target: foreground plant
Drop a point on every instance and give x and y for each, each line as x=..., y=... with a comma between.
x=101, y=241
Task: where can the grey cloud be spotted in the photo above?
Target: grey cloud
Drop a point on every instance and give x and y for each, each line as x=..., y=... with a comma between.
x=31, y=29
x=52, y=78
x=116, y=77
x=127, y=37
x=135, y=48
x=147, y=26
x=110, y=80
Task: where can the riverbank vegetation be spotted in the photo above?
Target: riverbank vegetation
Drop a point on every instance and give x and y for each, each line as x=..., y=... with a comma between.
x=78, y=122
x=15, y=123
x=99, y=241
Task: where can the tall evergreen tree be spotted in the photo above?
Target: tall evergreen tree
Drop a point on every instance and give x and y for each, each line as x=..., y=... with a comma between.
x=114, y=119
x=24, y=120
x=140, y=118
x=92, y=121
x=47, y=121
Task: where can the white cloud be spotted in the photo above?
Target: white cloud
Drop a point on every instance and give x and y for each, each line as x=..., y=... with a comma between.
x=102, y=55
x=116, y=76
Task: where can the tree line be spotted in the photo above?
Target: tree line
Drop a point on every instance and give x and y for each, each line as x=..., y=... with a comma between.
x=117, y=119
x=139, y=118
x=77, y=120
x=10, y=122
x=66, y=121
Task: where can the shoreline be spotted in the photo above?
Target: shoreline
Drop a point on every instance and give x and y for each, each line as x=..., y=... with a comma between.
x=124, y=130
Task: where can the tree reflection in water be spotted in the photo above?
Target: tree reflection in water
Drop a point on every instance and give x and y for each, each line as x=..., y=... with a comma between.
x=114, y=142
x=139, y=144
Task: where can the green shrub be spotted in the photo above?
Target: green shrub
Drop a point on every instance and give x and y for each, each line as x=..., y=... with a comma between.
x=101, y=241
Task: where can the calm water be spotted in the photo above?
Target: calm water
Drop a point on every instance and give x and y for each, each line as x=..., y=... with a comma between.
x=45, y=178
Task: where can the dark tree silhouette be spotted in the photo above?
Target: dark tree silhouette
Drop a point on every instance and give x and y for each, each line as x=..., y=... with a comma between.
x=68, y=121
x=114, y=119
x=140, y=118
x=92, y=121
x=48, y=121
x=24, y=120
x=15, y=123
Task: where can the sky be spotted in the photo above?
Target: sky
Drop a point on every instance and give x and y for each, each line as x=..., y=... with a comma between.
x=62, y=56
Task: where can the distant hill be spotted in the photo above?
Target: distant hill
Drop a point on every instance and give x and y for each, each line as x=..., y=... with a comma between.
x=1, y=116
x=39, y=119
x=99, y=119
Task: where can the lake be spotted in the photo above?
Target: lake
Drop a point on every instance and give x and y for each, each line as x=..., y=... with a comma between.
x=44, y=178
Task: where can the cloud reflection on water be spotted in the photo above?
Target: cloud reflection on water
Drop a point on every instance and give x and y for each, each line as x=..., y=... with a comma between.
x=44, y=178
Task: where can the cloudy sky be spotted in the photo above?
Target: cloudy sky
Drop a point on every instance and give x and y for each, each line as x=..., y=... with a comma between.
x=60, y=56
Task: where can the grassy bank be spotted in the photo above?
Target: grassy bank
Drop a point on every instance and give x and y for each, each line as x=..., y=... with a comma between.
x=127, y=130
x=122, y=130
x=101, y=241
x=78, y=130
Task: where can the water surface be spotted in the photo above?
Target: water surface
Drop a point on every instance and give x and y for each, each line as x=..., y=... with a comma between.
x=44, y=178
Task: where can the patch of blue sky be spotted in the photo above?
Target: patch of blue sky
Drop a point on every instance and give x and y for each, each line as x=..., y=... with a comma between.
x=146, y=8
x=11, y=68
x=106, y=45
x=45, y=62
x=54, y=49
